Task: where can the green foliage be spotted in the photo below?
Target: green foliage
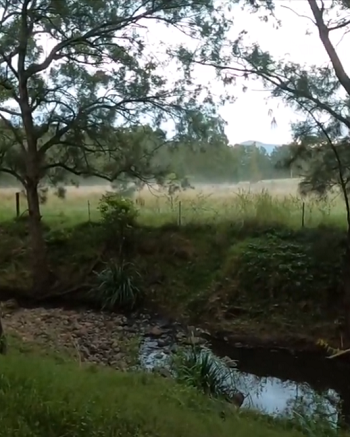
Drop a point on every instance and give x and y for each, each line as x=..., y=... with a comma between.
x=118, y=216
x=118, y=285
x=198, y=367
x=274, y=267
x=78, y=134
x=42, y=398
x=116, y=211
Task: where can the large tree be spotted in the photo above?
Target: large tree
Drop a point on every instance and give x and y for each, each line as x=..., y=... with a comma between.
x=60, y=107
x=321, y=93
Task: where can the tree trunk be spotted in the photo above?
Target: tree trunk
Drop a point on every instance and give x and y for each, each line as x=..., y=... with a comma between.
x=346, y=289
x=40, y=267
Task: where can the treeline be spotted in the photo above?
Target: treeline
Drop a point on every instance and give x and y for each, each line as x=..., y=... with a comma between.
x=222, y=164
x=147, y=150
x=226, y=163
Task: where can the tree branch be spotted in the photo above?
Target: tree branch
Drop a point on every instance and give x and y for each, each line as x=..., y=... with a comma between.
x=279, y=83
x=333, y=56
x=339, y=26
x=14, y=174
x=89, y=172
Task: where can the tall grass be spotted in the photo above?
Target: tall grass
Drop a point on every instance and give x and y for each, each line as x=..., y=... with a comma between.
x=262, y=204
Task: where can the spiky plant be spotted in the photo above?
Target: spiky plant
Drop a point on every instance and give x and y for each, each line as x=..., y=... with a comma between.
x=200, y=368
x=118, y=285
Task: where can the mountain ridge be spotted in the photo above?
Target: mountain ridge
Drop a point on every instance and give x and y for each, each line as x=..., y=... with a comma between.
x=268, y=147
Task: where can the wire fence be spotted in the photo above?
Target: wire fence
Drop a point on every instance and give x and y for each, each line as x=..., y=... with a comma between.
x=262, y=208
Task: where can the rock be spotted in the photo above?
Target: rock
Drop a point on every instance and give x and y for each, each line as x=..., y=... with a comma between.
x=98, y=337
x=237, y=399
x=193, y=341
x=9, y=305
x=180, y=336
x=174, y=349
x=163, y=371
x=159, y=356
x=155, y=331
x=163, y=342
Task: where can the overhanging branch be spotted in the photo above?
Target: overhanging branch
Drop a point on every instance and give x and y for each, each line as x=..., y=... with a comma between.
x=333, y=55
x=13, y=173
x=279, y=83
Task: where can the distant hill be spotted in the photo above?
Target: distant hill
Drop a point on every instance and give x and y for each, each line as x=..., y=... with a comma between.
x=268, y=147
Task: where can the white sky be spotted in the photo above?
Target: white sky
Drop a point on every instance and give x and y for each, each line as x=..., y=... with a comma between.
x=248, y=117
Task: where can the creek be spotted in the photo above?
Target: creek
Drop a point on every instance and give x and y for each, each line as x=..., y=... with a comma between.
x=274, y=382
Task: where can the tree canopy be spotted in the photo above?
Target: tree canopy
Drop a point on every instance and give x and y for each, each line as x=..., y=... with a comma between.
x=321, y=93
x=74, y=77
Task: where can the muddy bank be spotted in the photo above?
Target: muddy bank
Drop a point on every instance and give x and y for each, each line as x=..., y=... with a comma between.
x=238, y=336
x=105, y=338
x=278, y=342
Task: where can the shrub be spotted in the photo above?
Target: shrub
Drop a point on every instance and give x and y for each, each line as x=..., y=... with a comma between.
x=198, y=367
x=118, y=216
x=118, y=285
x=271, y=267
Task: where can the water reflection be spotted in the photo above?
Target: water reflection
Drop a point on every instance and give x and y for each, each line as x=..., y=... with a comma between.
x=270, y=394
x=276, y=397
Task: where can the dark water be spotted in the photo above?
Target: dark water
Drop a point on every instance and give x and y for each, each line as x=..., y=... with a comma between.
x=278, y=382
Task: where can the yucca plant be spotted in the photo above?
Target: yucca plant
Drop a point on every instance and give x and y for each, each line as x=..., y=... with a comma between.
x=118, y=285
x=198, y=367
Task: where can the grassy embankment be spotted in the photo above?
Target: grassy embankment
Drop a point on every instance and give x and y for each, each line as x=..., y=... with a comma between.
x=239, y=262
x=46, y=396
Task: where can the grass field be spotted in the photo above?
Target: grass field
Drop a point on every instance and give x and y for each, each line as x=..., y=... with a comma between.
x=274, y=201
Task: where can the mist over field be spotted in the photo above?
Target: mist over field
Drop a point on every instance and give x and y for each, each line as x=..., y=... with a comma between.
x=273, y=186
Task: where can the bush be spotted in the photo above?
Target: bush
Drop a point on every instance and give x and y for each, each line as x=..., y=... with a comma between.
x=118, y=216
x=118, y=285
x=272, y=267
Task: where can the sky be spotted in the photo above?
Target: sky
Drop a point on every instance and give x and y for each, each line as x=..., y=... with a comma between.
x=248, y=117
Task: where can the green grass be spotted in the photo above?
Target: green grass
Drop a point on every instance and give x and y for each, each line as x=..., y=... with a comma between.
x=197, y=206
x=41, y=397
